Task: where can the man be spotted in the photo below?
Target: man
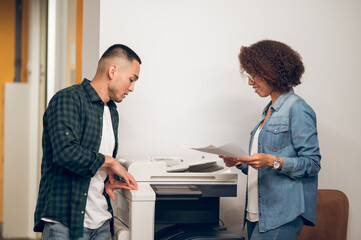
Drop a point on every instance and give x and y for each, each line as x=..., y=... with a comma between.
x=80, y=129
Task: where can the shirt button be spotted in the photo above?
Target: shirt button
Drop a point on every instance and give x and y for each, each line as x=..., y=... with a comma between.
x=101, y=118
x=85, y=194
x=67, y=133
x=82, y=212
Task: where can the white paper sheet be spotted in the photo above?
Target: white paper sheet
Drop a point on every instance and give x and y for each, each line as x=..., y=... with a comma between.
x=229, y=150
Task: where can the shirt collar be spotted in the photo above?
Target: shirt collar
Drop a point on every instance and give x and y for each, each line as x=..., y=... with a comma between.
x=93, y=95
x=279, y=102
x=281, y=99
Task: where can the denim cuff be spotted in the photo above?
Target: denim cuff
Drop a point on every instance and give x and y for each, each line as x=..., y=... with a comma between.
x=288, y=165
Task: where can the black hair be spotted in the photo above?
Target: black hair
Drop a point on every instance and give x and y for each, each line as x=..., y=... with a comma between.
x=120, y=50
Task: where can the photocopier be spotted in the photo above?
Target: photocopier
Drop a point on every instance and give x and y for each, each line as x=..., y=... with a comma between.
x=174, y=200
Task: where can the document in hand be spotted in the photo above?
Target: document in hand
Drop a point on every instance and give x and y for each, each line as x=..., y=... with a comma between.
x=229, y=150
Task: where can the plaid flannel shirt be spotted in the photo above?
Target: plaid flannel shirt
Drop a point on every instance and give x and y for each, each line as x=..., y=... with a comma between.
x=72, y=128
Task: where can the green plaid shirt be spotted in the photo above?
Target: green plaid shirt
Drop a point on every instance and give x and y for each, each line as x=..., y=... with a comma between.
x=72, y=128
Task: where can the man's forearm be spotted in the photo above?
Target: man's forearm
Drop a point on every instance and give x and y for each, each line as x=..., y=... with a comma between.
x=109, y=161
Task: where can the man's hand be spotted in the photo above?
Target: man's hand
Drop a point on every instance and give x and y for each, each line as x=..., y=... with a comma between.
x=114, y=167
x=110, y=187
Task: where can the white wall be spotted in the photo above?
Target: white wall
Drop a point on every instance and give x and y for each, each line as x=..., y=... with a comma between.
x=190, y=91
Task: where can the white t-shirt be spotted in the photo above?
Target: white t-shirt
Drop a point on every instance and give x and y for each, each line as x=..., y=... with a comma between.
x=96, y=210
x=252, y=201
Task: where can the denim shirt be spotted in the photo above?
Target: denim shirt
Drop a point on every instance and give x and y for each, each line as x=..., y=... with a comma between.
x=290, y=132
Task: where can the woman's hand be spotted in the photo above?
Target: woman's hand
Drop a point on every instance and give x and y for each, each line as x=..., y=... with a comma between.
x=229, y=161
x=257, y=160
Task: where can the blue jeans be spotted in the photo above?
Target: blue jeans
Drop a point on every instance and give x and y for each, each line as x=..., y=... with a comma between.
x=58, y=231
x=288, y=231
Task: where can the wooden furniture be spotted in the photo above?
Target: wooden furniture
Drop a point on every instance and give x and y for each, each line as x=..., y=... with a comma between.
x=331, y=217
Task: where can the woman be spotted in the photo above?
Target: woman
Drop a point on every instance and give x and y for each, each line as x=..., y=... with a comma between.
x=284, y=156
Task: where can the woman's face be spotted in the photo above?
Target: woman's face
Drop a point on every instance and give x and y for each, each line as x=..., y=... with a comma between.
x=260, y=86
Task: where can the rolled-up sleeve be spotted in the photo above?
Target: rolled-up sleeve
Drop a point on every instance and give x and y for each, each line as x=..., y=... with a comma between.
x=304, y=138
x=64, y=128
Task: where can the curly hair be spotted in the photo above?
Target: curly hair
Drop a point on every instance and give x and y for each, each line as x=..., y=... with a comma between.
x=275, y=62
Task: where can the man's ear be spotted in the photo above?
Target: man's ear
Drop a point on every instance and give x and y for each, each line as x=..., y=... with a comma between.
x=112, y=71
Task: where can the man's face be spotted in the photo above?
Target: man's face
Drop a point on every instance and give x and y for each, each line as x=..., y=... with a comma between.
x=123, y=82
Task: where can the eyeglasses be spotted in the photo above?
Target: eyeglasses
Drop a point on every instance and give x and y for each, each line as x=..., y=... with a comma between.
x=248, y=77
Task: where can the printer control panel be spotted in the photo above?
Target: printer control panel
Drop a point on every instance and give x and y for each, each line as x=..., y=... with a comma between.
x=176, y=190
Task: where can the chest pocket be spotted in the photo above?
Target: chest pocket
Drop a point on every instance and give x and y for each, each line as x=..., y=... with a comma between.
x=276, y=136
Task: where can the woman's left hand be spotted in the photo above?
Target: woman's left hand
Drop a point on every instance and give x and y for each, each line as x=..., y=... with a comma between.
x=257, y=160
